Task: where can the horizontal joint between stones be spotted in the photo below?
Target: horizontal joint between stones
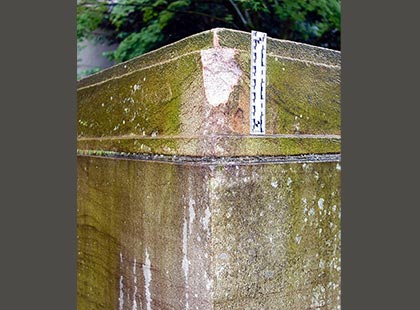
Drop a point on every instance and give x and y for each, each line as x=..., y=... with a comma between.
x=212, y=160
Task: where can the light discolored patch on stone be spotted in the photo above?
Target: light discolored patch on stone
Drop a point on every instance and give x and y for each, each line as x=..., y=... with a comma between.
x=220, y=74
x=177, y=236
x=204, y=217
x=191, y=98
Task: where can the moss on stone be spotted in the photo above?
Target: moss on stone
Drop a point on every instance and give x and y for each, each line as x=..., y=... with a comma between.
x=273, y=245
x=169, y=52
x=257, y=235
x=302, y=97
x=237, y=236
x=231, y=146
x=144, y=102
x=283, y=48
x=163, y=108
x=127, y=209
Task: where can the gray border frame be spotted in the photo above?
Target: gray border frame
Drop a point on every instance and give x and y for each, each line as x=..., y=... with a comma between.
x=38, y=157
x=379, y=228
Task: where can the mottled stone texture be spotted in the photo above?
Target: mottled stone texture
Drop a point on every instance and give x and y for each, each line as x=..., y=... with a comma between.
x=202, y=231
x=154, y=235
x=276, y=236
x=192, y=98
x=129, y=211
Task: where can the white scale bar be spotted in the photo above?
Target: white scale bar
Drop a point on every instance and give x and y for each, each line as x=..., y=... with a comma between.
x=258, y=82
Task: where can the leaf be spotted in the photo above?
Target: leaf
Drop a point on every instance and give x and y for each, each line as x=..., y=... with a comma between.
x=178, y=5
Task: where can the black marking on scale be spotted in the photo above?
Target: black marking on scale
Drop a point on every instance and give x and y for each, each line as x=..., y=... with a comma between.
x=258, y=82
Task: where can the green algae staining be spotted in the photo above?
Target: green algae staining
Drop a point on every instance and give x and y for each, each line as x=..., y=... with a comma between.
x=274, y=227
x=178, y=207
x=147, y=101
x=303, y=98
x=303, y=94
x=231, y=235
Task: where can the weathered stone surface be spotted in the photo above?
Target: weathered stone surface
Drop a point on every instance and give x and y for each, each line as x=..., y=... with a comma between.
x=276, y=236
x=137, y=239
x=217, y=145
x=180, y=208
x=181, y=98
x=155, y=235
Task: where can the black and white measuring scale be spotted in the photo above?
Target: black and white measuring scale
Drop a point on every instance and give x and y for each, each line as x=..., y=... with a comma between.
x=258, y=82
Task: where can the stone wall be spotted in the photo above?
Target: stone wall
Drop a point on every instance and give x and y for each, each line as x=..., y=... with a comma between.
x=180, y=208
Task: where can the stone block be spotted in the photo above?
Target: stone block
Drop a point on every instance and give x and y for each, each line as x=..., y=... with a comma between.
x=180, y=208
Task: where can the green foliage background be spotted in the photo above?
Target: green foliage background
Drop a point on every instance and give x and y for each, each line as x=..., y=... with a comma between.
x=139, y=26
